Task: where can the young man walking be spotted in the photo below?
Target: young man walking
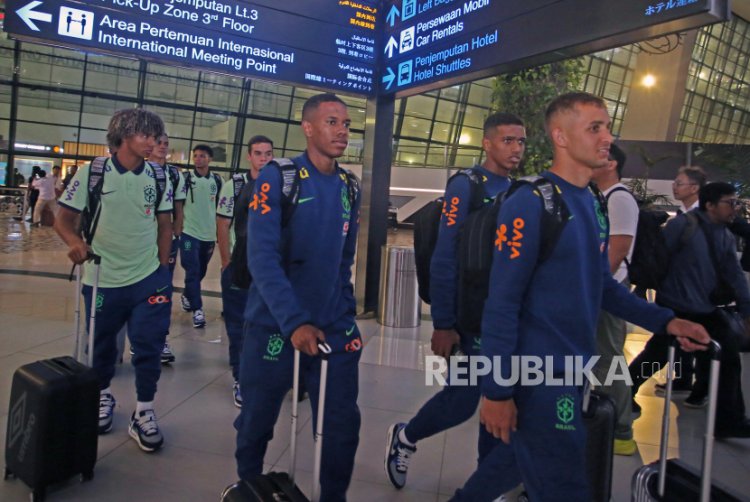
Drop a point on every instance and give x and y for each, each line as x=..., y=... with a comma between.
x=198, y=237
x=548, y=310
x=133, y=233
x=231, y=231
x=300, y=256
x=504, y=143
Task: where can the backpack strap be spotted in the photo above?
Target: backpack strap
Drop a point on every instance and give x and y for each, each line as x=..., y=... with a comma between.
x=238, y=181
x=618, y=189
x=219, y=183
x=174, y=175
x=476, y=182
x=160, y=174
x=555, y=213
x=189, y=184
x=90, y=218
x=352, y=184
x=290, y=186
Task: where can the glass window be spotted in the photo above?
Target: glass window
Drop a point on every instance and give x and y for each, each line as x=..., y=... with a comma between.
x=220, y=91
x=416, y=128
x=420, y=106
x=177, y=121
x=173, y=85
x=5, y=92
x=275, y=131
x=48, y=106
x=45, y=134
x=410, y=153
x=112, y=75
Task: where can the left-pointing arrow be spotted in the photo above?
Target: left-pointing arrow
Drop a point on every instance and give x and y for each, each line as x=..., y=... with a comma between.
x=26, y=13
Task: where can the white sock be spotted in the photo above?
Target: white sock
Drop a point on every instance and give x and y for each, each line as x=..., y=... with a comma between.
x=108, y=390
x=402, y=438
x=143, y=406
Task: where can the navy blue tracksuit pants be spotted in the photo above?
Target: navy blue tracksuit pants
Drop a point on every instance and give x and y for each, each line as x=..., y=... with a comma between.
x=194, y=257
x=266, y=374
x=173, y=254
x=547, y=452
x=233, y=301
x=452, y=406
x=146, y=308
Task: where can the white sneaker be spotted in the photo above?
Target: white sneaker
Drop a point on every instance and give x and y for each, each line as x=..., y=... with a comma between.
x=145, y=430
x=199, y=319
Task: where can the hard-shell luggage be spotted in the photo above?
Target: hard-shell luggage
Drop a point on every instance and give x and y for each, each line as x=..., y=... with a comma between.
x=673, y=480
x=52, y=431
x=280, y=486
x=599, y=417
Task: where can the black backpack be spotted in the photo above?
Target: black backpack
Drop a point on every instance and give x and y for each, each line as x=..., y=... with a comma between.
x=477, y=241
x=92, y=211
x=427, y=226
x=649, y=263
x=290, y=176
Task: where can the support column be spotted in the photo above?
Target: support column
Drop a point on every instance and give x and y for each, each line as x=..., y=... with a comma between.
x=376, y=181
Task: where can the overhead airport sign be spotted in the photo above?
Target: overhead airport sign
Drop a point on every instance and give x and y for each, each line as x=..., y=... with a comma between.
x=435, y=43
x=315, y=43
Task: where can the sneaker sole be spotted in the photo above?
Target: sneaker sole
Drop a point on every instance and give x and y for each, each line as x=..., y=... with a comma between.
x=105, y=429
x=237, y=403
x=695, y=406
x=148, y=449
x=167, y=360
x=389, y=440
x=199, y=325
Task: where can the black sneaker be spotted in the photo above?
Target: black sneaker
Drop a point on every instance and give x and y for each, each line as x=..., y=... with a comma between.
x=739, y=430
x=696, y=401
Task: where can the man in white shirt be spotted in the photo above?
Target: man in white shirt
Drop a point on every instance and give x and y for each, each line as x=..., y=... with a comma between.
x=611, y=331
x=47, y=196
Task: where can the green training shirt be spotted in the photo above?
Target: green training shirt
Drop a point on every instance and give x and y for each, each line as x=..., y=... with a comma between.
x=200, y=206
x=126, y=235
x=225, y=209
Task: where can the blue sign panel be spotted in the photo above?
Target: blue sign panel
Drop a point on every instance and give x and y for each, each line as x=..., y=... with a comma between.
x=316, y=43
x=435, y=43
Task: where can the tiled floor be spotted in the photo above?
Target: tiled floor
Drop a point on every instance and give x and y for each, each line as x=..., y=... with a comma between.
x=196, y=411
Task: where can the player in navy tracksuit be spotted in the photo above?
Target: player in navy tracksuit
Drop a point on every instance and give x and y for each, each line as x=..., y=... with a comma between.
x=302, y=293
x=550, y=309
x=504, y=143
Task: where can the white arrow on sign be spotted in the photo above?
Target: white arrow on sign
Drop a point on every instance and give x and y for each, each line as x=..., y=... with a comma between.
x=26, y=13
x=392, y=44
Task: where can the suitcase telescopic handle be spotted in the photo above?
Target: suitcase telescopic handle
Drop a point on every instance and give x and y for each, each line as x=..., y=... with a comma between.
x=714, y=349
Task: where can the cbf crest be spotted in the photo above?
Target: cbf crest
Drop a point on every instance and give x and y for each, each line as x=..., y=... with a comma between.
x=565, y=411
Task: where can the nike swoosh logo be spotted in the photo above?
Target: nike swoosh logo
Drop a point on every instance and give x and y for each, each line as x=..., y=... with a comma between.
x=305, y=199
x=107, y=193
x=159, y=290
x=350, y=331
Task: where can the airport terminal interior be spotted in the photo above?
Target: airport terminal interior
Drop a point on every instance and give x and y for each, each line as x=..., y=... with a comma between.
x=55, y=104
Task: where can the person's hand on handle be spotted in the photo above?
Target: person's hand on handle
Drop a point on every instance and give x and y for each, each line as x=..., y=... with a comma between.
x=306, y=338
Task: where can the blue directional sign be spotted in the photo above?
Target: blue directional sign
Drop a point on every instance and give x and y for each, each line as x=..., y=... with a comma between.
x=444, y=42
x=316, y=43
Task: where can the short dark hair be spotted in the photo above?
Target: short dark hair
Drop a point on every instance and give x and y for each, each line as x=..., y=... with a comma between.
x=713, y=192
x=616, y=154
x=500, y=119
x=204, y=148
x=258, y=138
x=313, y=102
x=568, y=101
x=696, y=174
x=132, y=121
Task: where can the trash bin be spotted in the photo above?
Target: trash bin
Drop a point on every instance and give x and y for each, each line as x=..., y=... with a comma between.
x=399, y=302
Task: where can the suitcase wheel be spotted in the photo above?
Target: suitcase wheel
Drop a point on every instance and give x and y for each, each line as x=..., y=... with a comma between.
x=87, y=476
x=8, y=474
x=524, y=497
x=37, y=495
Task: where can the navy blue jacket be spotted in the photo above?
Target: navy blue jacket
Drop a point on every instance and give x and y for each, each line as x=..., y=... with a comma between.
x=551, y=308
x=691, y=277
x=444, y=264
x=301, y=272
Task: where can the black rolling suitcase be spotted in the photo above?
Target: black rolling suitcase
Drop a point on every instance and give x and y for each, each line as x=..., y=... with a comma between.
x=280, y=486
x=672, y=480
x=600, y=418
x=52, y=429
